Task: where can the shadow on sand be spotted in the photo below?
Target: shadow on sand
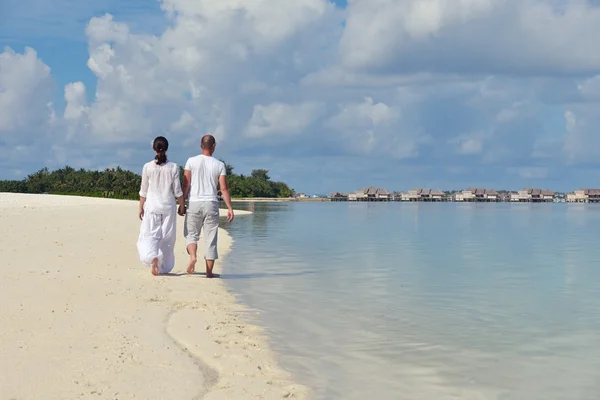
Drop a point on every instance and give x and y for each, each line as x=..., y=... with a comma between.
x=194, y=273
x=246, y=276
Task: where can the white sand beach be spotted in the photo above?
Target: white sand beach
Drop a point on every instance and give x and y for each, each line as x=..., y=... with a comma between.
x=82, y=318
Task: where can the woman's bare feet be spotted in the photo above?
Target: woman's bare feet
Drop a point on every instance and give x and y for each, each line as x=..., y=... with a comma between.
x=191, y=266
x=155, y=266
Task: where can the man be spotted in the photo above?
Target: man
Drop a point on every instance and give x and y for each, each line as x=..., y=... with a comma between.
x=201, y=174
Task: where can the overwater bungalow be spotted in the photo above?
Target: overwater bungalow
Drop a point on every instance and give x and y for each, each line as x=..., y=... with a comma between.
x=359, y=195
x=584, y=196
x=411, y=195
x=384, y=195
x=535, y=195
x=529, y=195
x=593, y=195
x=492, y=195
x=425, y=195
x=338, y=196
x=419, y=194
x=578, y=196
x=437, y=195
x=370, y=194
x=548, y=195
x=476, y=194
x=464, y=196
x=480, y=195
x=378, y=194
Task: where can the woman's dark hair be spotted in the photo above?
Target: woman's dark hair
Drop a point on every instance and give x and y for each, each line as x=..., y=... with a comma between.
x=160, y=145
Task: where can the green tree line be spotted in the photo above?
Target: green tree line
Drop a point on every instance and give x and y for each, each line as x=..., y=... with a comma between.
x=119, y=183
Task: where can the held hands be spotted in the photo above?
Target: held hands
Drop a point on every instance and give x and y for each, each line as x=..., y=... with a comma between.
x=180, y=211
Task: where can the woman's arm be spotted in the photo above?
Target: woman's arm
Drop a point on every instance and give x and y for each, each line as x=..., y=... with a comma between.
x=178, y=192
x=143, y=192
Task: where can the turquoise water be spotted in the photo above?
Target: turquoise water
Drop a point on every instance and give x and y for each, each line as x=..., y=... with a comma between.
x=426, y=301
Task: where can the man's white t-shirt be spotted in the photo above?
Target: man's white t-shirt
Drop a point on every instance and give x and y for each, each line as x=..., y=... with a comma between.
x=205, y=177
x=160, y=186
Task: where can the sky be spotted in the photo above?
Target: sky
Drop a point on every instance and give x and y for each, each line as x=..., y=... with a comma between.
x=328, y=96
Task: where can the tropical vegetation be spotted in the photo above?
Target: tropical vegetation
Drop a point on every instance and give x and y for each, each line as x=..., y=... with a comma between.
x=123, y=184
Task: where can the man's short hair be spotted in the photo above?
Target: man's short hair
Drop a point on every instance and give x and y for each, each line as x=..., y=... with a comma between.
x=207, y=142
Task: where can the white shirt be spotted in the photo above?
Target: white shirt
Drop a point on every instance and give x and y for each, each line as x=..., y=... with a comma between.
x=160, y=186
x=206, y=171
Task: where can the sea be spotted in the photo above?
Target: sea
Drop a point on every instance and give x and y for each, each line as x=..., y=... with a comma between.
x=392, y=300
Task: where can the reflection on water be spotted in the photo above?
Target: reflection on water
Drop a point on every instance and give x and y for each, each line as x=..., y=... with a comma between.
x=426, y=301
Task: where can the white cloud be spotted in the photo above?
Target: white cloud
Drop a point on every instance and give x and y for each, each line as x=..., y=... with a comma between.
x=529, y=173
x=510, y=36
x=577, y=146
x=511, y=113
x=185, y=123
x=75, y=96
x=188, y=76
x=371, y=127
x=581, y=125
x=267, y=23
x=105, y=30
x=281, y=119
x=469, y=144
x=25, y=95
x=363, y=115
x=590, y=88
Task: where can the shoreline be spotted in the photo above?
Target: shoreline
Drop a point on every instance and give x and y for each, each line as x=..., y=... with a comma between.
x=84, y=318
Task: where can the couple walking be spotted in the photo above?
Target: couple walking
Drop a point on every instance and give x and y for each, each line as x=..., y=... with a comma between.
x=159, y=189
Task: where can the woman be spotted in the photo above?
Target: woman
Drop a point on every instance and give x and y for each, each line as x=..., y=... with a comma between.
x=160, y=186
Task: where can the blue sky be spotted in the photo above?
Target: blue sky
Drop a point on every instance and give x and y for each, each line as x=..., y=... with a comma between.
x=327, y=96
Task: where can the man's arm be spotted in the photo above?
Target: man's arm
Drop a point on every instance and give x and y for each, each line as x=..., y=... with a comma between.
x=226, y=196
x=187, y=179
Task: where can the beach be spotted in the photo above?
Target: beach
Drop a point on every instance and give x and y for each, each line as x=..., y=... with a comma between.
x=83, y=318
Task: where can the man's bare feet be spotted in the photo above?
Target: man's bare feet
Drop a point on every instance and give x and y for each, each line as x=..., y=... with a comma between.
x=155, y=266
x=209, y=268
x=191, y=266
x=191, y=250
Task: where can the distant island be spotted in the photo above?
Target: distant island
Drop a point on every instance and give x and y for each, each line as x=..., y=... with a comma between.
x=120, y=183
